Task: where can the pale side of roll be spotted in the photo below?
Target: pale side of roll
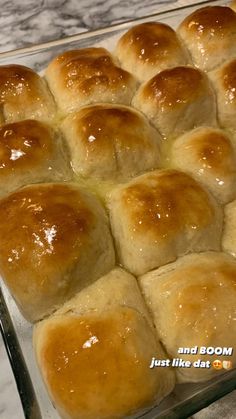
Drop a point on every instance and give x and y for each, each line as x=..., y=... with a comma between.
x=224, y=83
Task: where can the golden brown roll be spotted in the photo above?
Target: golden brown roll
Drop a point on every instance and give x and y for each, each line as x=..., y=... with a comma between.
x=54, y=240
x=162, y=215
x=224, y=82
x=149, y=48
x=229, y=231
x=95, y=352
x=209, y=156
x=85, y=76
x=209, y=33
x=31, y=152
x=23, y=95
x=193, y=305
x=177, y=100
x=111, y=142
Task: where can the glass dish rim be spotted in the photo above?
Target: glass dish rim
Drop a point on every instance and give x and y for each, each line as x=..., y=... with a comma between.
x=99, y=31
x=28, y=399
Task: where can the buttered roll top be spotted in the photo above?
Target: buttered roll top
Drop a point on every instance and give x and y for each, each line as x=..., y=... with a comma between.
x=209, y=33
x=95, y=346
x=193, y=304
x=30, y=152
x=177, y=100
x=162, y=215
x=111, y=142
x=208, y=154
x=54, y=240
x=115, y=161
x=148, y=48
x=23, y=95
x=84, y=76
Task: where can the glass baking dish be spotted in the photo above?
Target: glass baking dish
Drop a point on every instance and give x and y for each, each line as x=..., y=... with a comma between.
x=186, y=399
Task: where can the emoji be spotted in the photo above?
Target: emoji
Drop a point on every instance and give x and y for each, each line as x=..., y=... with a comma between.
x=217, y=364
x=227, y=365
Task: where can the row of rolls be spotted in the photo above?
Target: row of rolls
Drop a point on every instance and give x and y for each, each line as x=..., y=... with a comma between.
x=118, y=211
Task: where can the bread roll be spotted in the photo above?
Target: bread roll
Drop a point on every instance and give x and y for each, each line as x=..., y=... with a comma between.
x=95, y=352
x=111, y=142
x=224, y=82
x=149, y=48
x=54, y=240
x=24, y=95
x=162, y=215
x=193, y=304
x=31, y=152
x=208, y=155
x=85, y=76
x=177, y=100
x=229, y=231
x=210, y=35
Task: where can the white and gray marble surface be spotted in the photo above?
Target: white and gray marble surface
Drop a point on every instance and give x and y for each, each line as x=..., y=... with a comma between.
x=27, y=22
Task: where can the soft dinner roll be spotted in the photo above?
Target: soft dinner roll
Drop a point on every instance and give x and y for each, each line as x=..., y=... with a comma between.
x=80, y=77
x=54, y=240
x=229, y=231
x=224, y=82
x=162, y=215
x=111, y=142
x=177, y=100
x=208, y=155
x=193, y=305
x=23, y=95
x=95, y=352
x=30, y=152
x=149, y=48
x=210, y=35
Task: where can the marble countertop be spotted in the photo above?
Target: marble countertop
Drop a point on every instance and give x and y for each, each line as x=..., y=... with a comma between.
x=27, y=22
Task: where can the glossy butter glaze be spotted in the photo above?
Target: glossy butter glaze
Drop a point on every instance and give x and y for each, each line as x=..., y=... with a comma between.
x=27, y=23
